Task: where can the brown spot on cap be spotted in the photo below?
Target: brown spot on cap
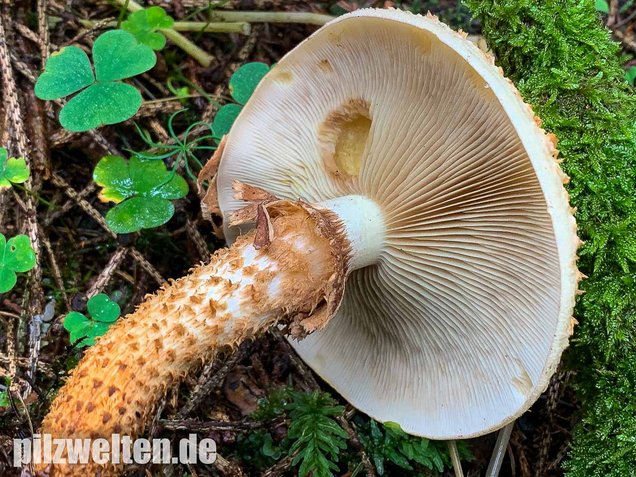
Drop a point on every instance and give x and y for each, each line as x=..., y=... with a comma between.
x=325, y=65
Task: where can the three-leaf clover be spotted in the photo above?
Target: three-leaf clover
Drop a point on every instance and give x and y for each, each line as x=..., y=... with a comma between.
x=142, y=190
x=242, y=84
x=103, y=98
x=145, y=23
x=16, y=255
x=12, y=170
x=103, y=312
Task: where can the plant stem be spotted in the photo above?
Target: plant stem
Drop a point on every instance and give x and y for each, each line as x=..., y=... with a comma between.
x=242, y=28
x=271, y=17
x=454, y=455
x=175, y=37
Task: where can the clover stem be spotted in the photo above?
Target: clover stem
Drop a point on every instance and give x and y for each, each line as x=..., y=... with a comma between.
x=116, y=387
x=178, y=39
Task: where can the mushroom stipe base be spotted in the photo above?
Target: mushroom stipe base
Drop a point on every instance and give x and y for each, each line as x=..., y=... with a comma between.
x=295, y=280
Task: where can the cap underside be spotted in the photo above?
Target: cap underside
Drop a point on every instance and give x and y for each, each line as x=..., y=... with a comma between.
x=459, y=326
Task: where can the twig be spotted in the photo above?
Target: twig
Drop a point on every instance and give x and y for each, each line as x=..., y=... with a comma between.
x=498, y=453
x=13, y=110
x=106, y=274
x=194, y=425
x=355, y=442
x=454, y=455
x=279, y=468
x=242, y=28
x=95, y=215
x=43, y=32
x=57, y=275
x=197, y=239
x=628, y=42
x=178, y=39
x=211, y=378
x=271, y=17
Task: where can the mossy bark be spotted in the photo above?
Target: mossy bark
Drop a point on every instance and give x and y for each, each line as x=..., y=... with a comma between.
x=565, y=64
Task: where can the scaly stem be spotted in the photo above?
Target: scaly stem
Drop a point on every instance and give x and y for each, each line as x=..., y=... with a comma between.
x=243, y=290
x=178, y=39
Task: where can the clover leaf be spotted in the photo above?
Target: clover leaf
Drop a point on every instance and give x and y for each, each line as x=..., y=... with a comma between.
x=242, y=84
x=145, y=23
x=84, y=330
x=142, y=190
x=102, y=98
x=12, y=170
x=245, y=79
x=16, y=255
x=224, y=119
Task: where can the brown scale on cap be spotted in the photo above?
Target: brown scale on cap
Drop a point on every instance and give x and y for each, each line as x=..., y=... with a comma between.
x=117, y=385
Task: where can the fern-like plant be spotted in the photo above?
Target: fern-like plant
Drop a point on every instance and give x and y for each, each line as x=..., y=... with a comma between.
x=314, y=438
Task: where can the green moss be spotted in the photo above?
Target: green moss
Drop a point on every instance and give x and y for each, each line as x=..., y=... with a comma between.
x=565, y=65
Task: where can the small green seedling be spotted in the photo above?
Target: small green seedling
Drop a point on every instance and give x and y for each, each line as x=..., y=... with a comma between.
x=83, y=330
x=142, y=190
x=183, y=151
x=242, y=84
x=12, y=170
x=145, y=23
x=5, y=399
x=16, y=256
x=103, y=98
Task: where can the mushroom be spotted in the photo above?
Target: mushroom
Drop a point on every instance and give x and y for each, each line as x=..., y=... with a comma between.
x=394, y=204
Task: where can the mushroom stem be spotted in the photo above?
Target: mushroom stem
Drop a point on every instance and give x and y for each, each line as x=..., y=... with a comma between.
x=244, y=289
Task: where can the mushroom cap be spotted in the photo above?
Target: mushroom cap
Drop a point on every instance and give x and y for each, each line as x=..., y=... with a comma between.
x=457, y=328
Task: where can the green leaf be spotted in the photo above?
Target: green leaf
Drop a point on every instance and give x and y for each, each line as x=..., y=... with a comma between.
x=601, y=6
x=66, y=72
x=4, y=399
x=12, y=170
x=122, y=179
x=630, y=75
x=84, y=330
x=224, y=119
x=16, y=255
x=143, y=24
x=117, y=54
x=144, y=185
x=112, y=173
x=100, y=104
x=103, y=309
x=245, y=79
x=139, y=213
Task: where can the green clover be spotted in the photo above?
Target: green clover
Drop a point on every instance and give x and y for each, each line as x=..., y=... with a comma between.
x=242, y=84
x=142, y=190
x=12, y=170
x=102, y=98
x=83, y=330
x=16, y=255
x=145, y=23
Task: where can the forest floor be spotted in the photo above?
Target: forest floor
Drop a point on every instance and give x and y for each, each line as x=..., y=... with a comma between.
x=79, y=256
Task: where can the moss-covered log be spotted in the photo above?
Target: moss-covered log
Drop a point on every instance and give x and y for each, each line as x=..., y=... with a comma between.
x=566, y=65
